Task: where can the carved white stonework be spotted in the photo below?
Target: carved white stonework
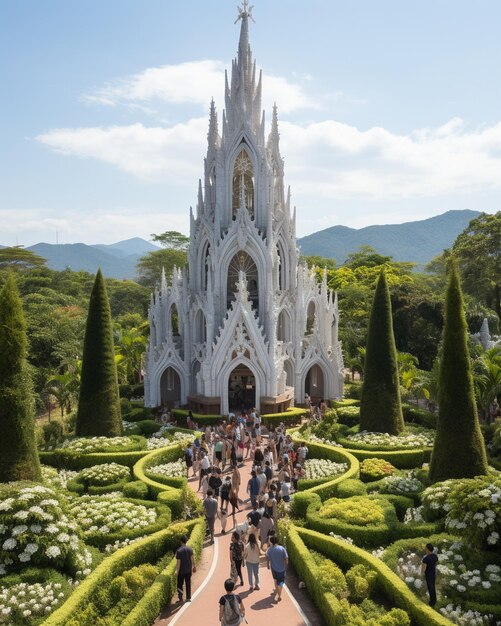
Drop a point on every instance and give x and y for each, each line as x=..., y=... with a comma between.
x=246, y=301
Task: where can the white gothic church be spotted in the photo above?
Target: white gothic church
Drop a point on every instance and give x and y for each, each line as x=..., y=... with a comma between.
x=246, y=325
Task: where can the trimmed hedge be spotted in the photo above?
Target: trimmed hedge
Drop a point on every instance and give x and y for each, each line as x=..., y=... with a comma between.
x=338, y=404
x=338, y=455
x=346, y=555
x=401, y=459
x=415, y=415
x=290, y=417
x=180, y=416
x=164, y=586
x=149, y=550
x=81, y=487
x=76, y=461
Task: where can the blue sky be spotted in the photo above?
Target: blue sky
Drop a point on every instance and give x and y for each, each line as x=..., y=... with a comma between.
x=389, y=111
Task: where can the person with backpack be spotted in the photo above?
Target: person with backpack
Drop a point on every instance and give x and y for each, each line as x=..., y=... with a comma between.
x=188, y=459
x=236, y=556
x=231, y=607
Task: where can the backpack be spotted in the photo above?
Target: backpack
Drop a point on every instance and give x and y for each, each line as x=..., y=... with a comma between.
x=237, y=550
x=231, y=612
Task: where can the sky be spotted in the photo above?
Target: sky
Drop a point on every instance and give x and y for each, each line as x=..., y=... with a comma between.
x=389, y=111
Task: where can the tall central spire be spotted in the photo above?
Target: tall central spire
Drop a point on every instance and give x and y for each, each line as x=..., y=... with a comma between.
x=243, y=96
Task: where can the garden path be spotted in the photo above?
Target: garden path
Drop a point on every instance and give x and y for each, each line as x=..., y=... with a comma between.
x=260, y=608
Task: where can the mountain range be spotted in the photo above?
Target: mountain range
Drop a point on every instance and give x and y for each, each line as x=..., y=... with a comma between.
x=417, y=241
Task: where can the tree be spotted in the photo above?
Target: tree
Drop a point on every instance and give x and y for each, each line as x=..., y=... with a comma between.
x=18, y=451
x=149, y=267
x=367, y=256
x=487, y=378
x=131, y=345
x=99, y=404
x=459, y=450
x=17, y=257
x=172, y=240
x=380, y=407
x=478, y=250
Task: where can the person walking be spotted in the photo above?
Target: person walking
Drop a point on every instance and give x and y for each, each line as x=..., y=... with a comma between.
x=185, y=566
x=266, y=525
x=253, y=487
x=277, y=559
x=231, y=607
x=251, y=557
x=210, y=507
x=428, y=570
x=237, y=556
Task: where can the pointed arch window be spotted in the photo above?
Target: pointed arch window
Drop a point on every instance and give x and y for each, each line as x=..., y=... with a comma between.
x=243, y=176
x=245, y=263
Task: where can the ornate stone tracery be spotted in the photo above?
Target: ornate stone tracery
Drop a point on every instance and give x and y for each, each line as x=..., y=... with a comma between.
x=252, y=324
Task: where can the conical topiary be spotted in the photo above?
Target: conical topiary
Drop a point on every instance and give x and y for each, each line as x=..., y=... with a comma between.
x=459, y=450
x=99, y=403
x=380, y=407
x=18, y=450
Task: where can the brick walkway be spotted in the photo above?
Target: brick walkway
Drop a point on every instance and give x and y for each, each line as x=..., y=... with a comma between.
x=208, y=585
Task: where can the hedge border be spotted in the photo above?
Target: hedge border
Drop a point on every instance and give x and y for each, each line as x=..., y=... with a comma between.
x=150, y=548
x=387, y=581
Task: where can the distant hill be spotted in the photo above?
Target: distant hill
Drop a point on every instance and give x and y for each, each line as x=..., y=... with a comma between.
x=416, y=241
x=117, y=260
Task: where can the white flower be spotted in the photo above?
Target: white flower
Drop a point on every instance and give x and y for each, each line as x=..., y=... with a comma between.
x=53, y=552
x=9, y=544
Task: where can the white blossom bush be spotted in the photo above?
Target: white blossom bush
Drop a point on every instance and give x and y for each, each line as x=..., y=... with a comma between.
x=35, y=530
x=384, y=440
x=414, y=515
x=57, y=478
x=401, y=485
x=104, y=474
x=87, y=445
x=456, y=577
x=22, y=603
x=162, y=439
x=175, y=469
x=110, y=513
x=121, y=543
x=323, y=468
x=472, y=508
x=462, y=617
x=329, y=442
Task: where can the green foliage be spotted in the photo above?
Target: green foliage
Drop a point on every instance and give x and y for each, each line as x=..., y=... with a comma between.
x=329, y=575
x=172, y=239
x=459, y=450
x=358, y=510
x=375, y=469
x=478, y=250
x=380, y=409
x=99, y=406
x=348, y=415
x=414, y=415
x=302, y=500
x=18, y=258
x=149, y=267
x=361, y=581
x=135, y=489
x=18, y=453
x=125, y=406
x=351, y=487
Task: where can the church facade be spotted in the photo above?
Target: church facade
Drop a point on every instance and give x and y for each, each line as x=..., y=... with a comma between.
x=247, y=325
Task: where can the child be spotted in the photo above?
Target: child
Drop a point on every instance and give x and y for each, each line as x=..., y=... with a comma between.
x=223, y=516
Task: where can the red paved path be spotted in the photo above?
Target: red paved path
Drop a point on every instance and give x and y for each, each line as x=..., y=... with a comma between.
x=260, y=608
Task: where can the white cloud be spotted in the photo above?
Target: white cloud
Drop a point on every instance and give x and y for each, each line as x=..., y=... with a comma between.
x=326, y=159
x=193, y=82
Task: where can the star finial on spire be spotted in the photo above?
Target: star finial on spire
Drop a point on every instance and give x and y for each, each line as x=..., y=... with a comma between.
x=244, y=11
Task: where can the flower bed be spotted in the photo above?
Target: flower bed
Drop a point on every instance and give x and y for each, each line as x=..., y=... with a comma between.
x=384, y=441
x=164, y=438
x=110, y=514
x=105, y=474
x=464, y=575
x=57, y=479
x=34, y=530
x=399, y=485
x=89, y=445
x=471, y=508
x=323, y=468
x=22, y=603
x=175, y=469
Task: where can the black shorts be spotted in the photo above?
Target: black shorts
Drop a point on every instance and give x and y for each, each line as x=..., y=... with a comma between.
x=219, y=455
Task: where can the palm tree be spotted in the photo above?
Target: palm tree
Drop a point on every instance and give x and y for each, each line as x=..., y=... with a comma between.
x=130, y=346
x=487, y=378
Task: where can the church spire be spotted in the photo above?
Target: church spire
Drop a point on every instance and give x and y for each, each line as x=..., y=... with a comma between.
x=274, y=136
x=213, y=134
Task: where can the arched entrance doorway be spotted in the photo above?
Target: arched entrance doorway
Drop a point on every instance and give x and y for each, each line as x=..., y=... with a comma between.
x=314, y=383
x=170, y=388
x=241, y=388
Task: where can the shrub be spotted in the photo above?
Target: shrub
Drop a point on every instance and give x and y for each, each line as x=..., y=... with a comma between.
x=351, y=487
x=18, y=451
x=375, y=469
x=359, y=511
x=349, y=415
x=35, y=530
x=380, y=409
x=53, y=432
x=459, y=450
x=98, y=403
x=136, y=489
x=289, y=417
x=148, y=427
x=138, y=414
x=361, y=581
x=125, y=406
x=329, y=575
x=302, y=500
x=105, y=474
x=415, y=415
